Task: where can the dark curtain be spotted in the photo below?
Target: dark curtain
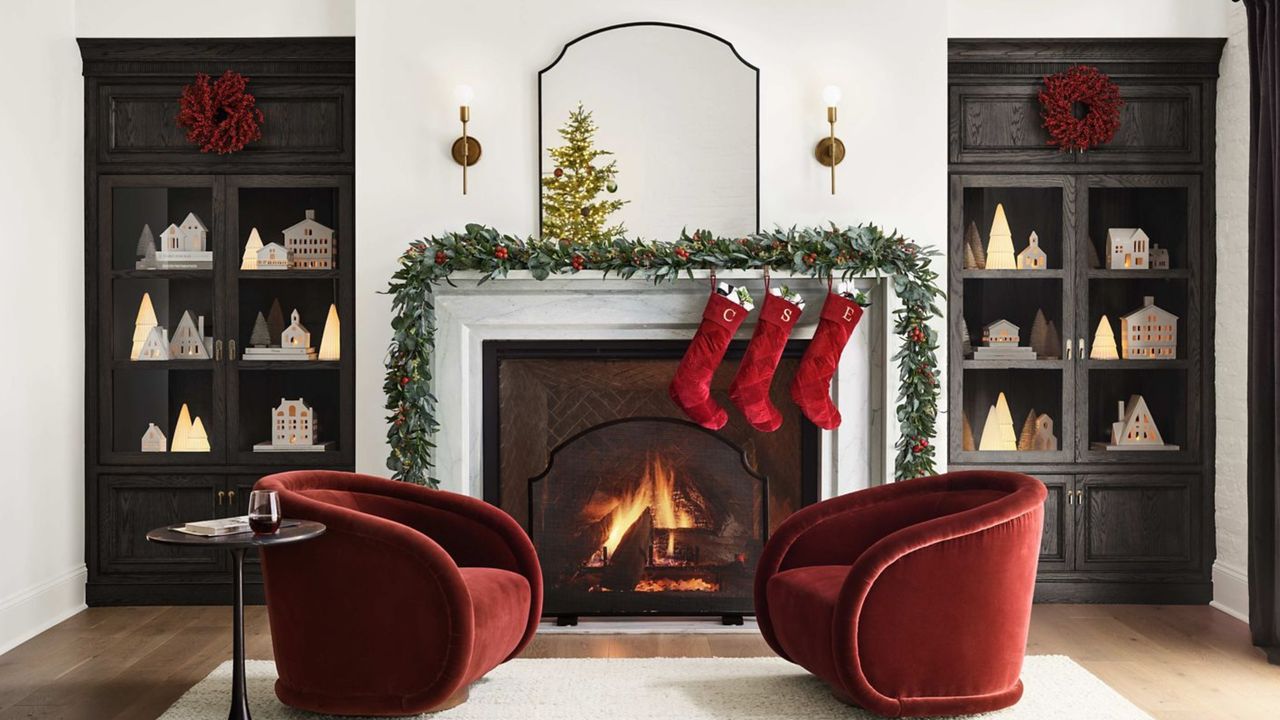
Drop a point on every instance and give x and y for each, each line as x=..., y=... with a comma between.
x=1264, y=325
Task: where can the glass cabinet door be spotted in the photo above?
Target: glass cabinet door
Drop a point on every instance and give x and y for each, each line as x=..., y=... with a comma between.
x=160, y=329
x=1138, y=318
x=1011, y=242
x=290, y=284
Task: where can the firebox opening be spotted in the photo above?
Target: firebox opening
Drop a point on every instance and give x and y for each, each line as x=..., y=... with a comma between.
x=632, y=508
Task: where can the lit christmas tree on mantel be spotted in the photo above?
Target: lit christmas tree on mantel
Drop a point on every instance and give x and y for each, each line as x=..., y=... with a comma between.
x=1000, y=243
x=1104, y=342
x=571, y=210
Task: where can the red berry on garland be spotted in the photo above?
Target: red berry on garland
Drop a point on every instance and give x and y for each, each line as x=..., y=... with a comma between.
x=810, y=258
x=441, y=258
x=577, y=262
x=682, y=253
x=404, y=381
x=500, y=252
x=559, y=172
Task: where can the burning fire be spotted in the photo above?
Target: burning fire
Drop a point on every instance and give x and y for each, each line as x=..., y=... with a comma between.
x=666, y=585
x=656, y=492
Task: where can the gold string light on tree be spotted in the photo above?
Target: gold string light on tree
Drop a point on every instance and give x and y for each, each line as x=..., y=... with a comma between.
x=571, y=209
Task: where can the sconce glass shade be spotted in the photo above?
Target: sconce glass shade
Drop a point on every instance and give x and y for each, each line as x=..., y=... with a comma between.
x=331, y=339
x=464, y=94
x=831, y=96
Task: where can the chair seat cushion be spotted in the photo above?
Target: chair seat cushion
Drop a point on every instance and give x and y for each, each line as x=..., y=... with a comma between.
x=801, y=606
x=500, y=600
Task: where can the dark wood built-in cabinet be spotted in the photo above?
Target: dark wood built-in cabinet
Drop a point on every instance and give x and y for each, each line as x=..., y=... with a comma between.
x=1119, y=525
x=140, y=169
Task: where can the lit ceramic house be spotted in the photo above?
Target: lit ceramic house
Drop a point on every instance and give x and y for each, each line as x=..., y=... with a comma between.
x=1128, y=249
x=156, y=346
x=189, y=341
x=1000, y=332
x=1159, y=258
x=1032, y=257
x=294, y=428
x=185, y=246
x=272, y=256
x=1135, y=429
x=1149, y=333
x=153, y=440
x=309, y=244
x=295, y=336
x=1000, y=342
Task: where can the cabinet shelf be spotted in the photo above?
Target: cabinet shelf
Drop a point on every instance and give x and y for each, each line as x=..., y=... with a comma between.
x=162, y=274
x=162, y=364
x=1174, y=274
x=312, y=365
x=1037, y=364
x=1175, y=364
x=1011, y=274
x=288, y=274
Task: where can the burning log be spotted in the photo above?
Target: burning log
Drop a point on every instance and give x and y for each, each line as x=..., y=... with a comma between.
x=627, y=563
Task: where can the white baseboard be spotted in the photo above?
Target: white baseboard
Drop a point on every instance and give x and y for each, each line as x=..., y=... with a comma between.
x=1231, y=591
x=27, y=613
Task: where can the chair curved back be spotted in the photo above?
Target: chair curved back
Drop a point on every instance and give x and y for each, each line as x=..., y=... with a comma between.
x=375, y=615
x=934, y=604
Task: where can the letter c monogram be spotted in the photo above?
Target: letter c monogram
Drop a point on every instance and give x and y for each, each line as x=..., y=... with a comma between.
x=729, y=314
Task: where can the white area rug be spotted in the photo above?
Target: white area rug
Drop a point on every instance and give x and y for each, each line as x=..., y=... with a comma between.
x=674, y=689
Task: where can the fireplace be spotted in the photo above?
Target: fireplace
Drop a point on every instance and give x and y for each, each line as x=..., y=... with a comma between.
x=633, y=509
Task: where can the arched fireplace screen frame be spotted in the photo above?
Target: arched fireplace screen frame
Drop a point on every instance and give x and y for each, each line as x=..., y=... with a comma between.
x=743, y=459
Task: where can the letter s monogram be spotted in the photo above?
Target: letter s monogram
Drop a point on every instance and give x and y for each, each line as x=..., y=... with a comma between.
x=786, y=315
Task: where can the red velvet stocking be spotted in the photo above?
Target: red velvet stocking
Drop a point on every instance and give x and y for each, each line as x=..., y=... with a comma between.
x=691, y=387
x=750, y=388
x=811, y=388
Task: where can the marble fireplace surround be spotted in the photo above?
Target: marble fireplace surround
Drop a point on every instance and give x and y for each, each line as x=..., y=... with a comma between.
x=586, y=306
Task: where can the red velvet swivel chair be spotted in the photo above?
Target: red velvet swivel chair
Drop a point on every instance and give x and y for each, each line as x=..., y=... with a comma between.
x=409, y=596
x=912, y=598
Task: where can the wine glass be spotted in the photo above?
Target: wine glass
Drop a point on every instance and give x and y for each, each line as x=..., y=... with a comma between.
x=264, y=512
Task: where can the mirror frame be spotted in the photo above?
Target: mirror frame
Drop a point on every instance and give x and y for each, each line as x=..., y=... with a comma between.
x=677, y=26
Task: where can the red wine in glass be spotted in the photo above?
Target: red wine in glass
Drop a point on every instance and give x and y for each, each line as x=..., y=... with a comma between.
x=264, y=512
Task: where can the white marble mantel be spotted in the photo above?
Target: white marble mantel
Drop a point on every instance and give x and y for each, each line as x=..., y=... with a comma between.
x=586, y=306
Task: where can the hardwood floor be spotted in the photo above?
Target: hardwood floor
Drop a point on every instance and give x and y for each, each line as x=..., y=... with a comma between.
x=132, y=663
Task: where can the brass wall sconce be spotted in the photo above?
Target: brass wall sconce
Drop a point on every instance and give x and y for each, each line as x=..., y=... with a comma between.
x=830, y=150
x=466, y=150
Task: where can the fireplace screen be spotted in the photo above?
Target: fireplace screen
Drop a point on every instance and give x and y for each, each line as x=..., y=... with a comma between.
x=637, y=506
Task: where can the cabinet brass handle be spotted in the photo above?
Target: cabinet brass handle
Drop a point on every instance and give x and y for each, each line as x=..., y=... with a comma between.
x=1080, y=348
x=217, y=350
x=231, y=349
x=231, y=497
x=1068, y=348
x=1080, y=497
x=221, y=496
x=1071, y=498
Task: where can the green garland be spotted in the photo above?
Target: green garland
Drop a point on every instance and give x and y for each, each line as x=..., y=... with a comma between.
x=831, y=252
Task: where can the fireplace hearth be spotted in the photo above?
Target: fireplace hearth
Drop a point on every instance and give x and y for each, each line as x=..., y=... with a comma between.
x=633, y=509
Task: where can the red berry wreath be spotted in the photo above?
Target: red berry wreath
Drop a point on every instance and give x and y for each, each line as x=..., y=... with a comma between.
x=1089, y=87
x=219, y=116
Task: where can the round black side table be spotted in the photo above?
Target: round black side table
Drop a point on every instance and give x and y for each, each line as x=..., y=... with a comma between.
x=237, y=544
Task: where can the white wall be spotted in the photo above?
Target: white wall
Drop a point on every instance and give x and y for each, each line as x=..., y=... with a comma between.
x=889, y=57
x=42, y=365
x=1230, y=571
x=225, y=18
x=1181, y=18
